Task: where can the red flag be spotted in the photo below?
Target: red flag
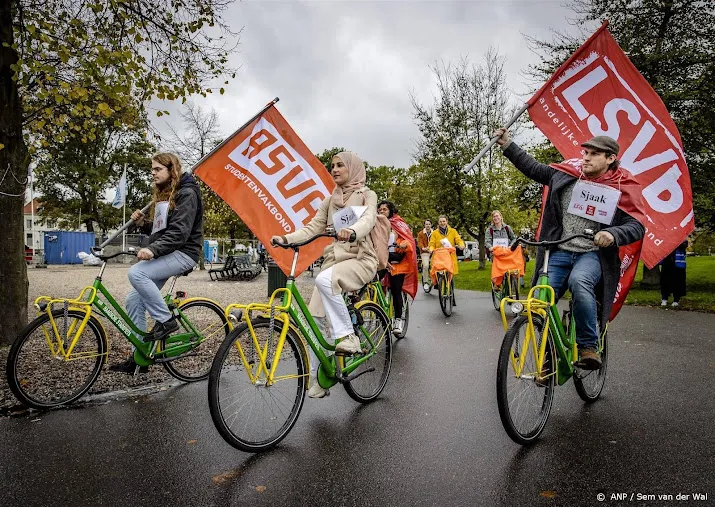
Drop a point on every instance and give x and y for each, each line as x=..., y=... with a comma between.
x=272, y=181
x=598, y=91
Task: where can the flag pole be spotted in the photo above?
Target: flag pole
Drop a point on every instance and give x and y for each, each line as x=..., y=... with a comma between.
x=266, y=108
x=492, y=141
x=124, y=198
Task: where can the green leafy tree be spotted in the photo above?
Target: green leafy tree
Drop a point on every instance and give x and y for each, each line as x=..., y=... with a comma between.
x=74, y=176
x=65, y=65
x=472, y=100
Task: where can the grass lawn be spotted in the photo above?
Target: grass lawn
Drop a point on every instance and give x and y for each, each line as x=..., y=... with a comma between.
x=700, y=284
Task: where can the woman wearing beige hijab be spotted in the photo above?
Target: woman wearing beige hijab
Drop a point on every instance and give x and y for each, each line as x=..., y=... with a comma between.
x=347, y=266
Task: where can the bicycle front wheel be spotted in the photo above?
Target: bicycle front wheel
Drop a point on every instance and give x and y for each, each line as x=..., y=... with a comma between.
x=40, y=375
x=212, y=327
x=445, y=298
x=374, y=335
x=589, y=383
x=525, y=397
x=249, y=413
x=514, y=284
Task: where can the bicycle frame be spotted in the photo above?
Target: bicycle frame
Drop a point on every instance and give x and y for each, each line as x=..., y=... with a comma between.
x=145, y=352
x=541, y=301
x=294, y=313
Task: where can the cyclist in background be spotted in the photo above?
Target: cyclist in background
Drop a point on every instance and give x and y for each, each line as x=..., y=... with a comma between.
x=499, y=231
x=587, y=268
x=444, y=231
x=402, y=272
x=423, y=238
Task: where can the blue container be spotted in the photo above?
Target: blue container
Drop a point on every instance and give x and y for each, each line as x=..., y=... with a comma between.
x=210, y=250
x=62, y=247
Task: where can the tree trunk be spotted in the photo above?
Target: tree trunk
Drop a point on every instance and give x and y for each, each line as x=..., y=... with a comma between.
x=13, y=165
x=651, y=278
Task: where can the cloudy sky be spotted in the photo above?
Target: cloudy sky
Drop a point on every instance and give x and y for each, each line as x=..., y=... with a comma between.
x=344, y=70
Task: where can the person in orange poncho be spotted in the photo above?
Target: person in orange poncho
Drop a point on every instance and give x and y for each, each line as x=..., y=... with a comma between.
x=402, y=275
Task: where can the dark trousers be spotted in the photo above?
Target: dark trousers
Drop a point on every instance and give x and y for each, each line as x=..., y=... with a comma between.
x=396, y=282
x=672, y=280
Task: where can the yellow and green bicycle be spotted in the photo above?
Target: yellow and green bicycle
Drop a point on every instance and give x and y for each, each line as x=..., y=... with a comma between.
x=375, y=292
x=260, y=374
x=539, y=351
x=59, y=355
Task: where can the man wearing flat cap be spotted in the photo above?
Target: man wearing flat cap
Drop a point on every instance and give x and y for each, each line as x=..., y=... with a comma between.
x=589, y=269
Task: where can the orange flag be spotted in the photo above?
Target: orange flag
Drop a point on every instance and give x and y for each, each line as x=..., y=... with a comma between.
x=272, y=181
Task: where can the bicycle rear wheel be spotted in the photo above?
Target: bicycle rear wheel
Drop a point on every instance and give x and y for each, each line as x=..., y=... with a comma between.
x=445, y=298
x=250, y=414
x=375, y=336
x=589, y=383
x=209, y=321
x=525, y=401
x=40, y=379
x=405, y=316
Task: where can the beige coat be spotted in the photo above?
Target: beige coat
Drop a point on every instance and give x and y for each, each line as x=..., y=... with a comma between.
x=354, y=264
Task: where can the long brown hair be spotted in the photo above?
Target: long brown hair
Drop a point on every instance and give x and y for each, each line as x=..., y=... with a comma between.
x=168, y=193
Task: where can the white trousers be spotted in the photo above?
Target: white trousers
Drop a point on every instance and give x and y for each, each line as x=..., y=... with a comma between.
x=335, y=309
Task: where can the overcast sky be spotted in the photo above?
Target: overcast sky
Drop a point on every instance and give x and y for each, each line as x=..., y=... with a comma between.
x=344, y=70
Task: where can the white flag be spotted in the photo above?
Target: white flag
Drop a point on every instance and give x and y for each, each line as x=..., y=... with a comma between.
x=121, y=195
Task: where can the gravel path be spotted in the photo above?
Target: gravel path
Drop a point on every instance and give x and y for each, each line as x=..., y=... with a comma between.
x=68, y=281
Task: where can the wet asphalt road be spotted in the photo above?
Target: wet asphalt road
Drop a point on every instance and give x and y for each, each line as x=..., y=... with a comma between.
x=433, y=438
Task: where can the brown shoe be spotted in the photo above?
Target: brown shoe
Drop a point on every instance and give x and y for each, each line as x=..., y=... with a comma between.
x=589, y=359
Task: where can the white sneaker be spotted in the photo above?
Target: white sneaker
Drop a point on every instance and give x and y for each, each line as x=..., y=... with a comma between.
x=397, y=328
x=663, y=302
x=349, y=345
x=675, y=303
x=316, y=391
x=426, y=287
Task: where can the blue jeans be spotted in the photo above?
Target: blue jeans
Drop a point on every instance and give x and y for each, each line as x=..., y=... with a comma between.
x=147, y=278
x=580, y=273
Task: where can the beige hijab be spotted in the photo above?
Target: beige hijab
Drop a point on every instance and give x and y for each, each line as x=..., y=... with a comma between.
x=356, y=178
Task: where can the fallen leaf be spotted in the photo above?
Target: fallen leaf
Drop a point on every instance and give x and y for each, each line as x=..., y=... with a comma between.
x=260, y=489
x=191, y=442
x=548, y=494
x=227, y=476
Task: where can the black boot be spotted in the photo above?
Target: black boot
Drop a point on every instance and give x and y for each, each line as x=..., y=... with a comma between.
x=162, y=330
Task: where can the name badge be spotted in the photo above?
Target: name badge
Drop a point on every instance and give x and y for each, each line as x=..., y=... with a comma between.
x=445, y=243
x=161, y=215
x=501, y=242
x=347, y=216
x=594, y=201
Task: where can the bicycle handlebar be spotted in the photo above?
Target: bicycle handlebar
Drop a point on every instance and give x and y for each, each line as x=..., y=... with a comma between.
x=587, y=234
x=95, y=252
x=310, y=240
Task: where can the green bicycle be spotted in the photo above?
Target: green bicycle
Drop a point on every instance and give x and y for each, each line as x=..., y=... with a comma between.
x=375, y=292
x=539, y=351
x=59, y=355
x=260, y=374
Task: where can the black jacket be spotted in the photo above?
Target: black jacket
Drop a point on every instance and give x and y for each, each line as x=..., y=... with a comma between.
x=184, y=228
x=624, y=228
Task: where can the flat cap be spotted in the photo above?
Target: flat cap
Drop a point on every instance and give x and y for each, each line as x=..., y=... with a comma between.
x=603, y=143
